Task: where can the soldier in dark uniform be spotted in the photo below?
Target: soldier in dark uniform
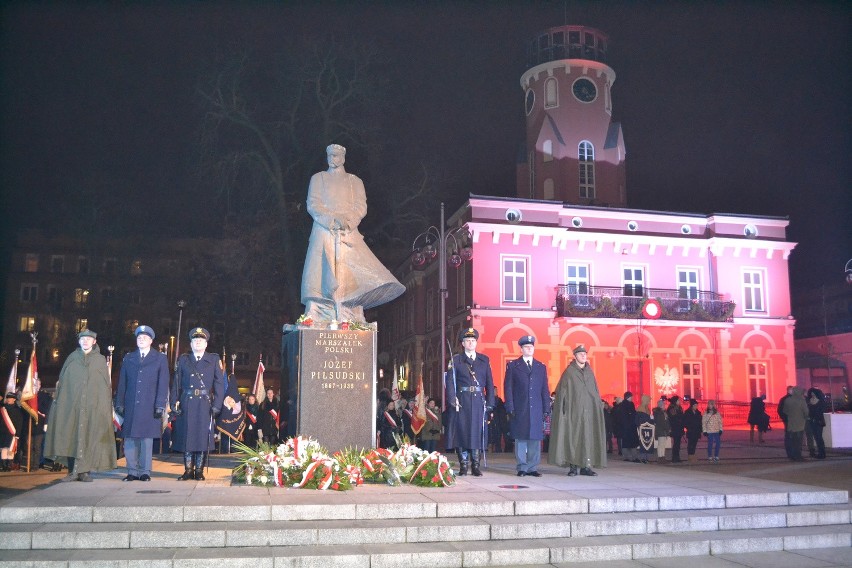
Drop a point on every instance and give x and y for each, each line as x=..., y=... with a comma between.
x=470, y=398
x=143, y=387
x=198, y=390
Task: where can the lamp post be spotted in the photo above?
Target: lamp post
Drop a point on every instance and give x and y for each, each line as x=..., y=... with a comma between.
x=431, y=243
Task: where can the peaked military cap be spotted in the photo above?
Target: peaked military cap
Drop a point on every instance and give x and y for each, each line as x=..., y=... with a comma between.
x=146, y=329
x=199, y=332
x=579, y=349
x=526, y=340
x=11, y=395
x=468, y=333
x=87, y=333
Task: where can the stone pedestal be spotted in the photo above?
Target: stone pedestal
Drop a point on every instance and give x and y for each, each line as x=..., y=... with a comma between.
x=331, y=386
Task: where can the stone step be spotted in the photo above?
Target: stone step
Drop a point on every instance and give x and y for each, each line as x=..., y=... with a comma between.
x=260, y=504
x=236, y=534
x=538, y=551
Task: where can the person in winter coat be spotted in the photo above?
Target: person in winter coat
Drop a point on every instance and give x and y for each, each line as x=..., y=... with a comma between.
x=711, y=425
x=796, y=411
x=757, y=418
x=692, y=425
x=629, y=435
x=270, y=420
x=11, y=425
x=141, y=396
x=79, y=429
x=250, y=435
x=527, y=404
x=662, y=430
x=675, y=414
x=816, y=419
x=431, y=432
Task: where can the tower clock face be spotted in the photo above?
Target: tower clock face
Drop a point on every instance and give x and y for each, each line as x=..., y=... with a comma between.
x=585, y=90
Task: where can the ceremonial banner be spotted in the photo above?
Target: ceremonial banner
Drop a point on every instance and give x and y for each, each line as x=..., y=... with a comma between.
x=259, y=390
x=231, y=420
x=418, y=417
x=29, y=394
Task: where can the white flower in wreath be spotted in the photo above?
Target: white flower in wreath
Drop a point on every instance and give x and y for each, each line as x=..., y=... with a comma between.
x=263, y=480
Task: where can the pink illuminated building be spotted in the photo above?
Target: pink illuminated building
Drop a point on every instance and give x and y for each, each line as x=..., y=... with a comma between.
x=664, y=302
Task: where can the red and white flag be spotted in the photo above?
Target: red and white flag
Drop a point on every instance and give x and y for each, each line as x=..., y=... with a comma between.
x=259, y=391
x=395, y=392
x=418, y=417
x=29, y=394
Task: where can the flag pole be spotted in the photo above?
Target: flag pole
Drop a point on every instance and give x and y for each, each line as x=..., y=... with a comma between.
x=32, y=420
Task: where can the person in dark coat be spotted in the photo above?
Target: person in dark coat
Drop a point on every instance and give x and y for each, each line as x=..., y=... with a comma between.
x=270, y=417
x=757, y=418
x=816, y=419
x=527, y=403
x=11, y=425
x=629, y=435
x=388, y=424
x=470, y=397
x=617, y=419
x=143, y=387
x=675, y=414
x=252, y=421
x=199, y=391
x=693, y=427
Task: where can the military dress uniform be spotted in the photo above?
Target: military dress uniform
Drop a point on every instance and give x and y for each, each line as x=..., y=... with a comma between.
x=470, y=397
x=527, y=403
x=199, y=389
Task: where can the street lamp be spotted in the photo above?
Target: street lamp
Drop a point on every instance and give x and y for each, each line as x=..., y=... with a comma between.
x=433, y=242
x=181, y=305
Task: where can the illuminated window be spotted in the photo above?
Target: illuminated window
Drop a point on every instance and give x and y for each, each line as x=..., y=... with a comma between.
x=136, y=267
x=757, y=373
x=551, y=93
x=754, y=299
x=587, y=169
x=692, y=379
x=29, y=292
x=81, y=297
x=130, y=325
x=31, y=263
x=514, y=279
x=81, y=324
x=26, y=323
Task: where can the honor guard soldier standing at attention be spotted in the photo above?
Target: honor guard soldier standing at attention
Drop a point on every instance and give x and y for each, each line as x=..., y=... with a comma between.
x=198, y=389
x=470, y=398
x=527, y=403
x=143, y=387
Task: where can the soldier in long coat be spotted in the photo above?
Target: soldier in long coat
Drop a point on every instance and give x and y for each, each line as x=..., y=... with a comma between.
x=527, y=403
x=578, y=434
x=470, y=397
x=141, y=396
x=79, y=428
x=199, y=392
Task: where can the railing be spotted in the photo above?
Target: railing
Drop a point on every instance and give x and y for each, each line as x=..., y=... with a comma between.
x=574, y=300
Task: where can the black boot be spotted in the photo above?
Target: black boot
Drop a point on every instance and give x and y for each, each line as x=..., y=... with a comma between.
x=474, y=463
x=463, y=463
x=199, y=474
x=188, y=473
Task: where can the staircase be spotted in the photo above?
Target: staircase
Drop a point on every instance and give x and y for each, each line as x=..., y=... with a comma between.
x=488, y=521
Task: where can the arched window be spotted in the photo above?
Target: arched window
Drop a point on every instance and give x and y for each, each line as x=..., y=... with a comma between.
x=547, y=151
x=586, y=154
x=548, y=189
x=551, y=93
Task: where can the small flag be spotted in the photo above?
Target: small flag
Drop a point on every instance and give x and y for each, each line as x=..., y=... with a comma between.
x=13, y=378
x=117, y=420
x=418, y=417
x=259, y=391
x=395, y=392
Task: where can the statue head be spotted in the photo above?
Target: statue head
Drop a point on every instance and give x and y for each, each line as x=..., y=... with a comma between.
x=335, y=155
x=332, y=147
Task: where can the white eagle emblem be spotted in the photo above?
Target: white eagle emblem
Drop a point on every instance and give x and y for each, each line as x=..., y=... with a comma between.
x=666, y=380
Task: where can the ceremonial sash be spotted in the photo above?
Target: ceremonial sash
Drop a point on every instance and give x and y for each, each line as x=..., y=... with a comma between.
x=432, y=416
x=410, y=414
x=251, y=417
x=13, y=447
x=274, y=414
x=390, y=420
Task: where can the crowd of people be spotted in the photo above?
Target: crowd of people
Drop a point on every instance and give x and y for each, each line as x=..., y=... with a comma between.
x=573, y=425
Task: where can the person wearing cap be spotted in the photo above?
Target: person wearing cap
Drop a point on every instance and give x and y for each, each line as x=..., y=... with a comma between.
x=527, y=403
x=11, y=424
x=143, y=389
x=199, y=392
x=470, y=398
x=578, y=434
x=79, y=427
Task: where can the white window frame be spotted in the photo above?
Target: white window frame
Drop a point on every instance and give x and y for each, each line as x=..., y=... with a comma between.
x=687, y=290
x=687, y=375
x=551, y=93
x=522, y=277
x=26, y=323
x=752, y=292
x=29, y=292
x=757, y=371
x=575, y=281
x=586, y=163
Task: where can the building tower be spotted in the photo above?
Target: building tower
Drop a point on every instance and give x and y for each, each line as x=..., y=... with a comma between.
x=574, y=152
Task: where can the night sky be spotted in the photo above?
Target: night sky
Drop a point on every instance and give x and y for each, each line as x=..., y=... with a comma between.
x=730, y=107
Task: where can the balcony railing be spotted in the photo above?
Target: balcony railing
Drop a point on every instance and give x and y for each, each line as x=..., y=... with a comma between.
x=574, y=300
